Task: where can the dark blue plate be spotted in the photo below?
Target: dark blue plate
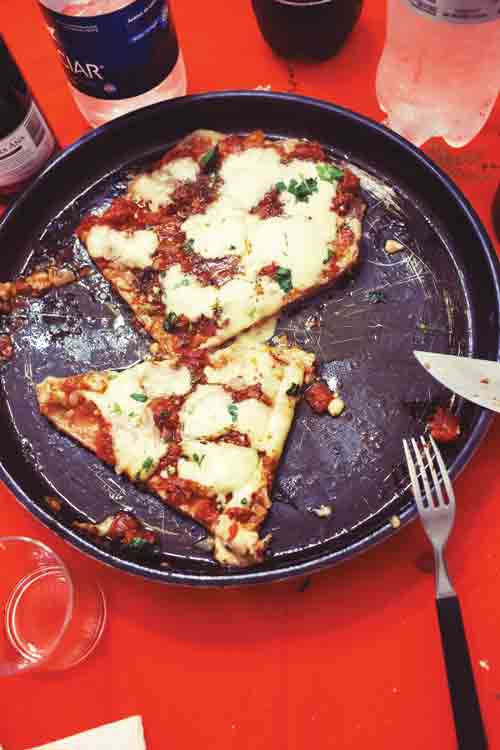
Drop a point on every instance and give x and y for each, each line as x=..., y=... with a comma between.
x=440, y=293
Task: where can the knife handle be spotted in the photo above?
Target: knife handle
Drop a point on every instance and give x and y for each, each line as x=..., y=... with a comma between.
x=469, y=725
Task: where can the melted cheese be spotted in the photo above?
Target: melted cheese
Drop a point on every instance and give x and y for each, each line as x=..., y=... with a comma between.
x=155, y=189
x=205, y=412
x=221, y=466
x=184, y=295
x=133, y=249
x=228, y=366
x=253, y=420
x=218, y=232
x=136, y=439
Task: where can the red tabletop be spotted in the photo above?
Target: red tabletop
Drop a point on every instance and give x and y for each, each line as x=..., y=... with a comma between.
x=351, y=661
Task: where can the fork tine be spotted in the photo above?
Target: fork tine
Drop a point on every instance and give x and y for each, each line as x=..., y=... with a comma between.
x=444, y=472
x=413, y=477
x=423, y=473
x=430, y=462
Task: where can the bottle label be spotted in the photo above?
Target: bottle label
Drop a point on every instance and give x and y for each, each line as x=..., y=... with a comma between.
x=119, y=54
x=458, y=11
x=24, y=151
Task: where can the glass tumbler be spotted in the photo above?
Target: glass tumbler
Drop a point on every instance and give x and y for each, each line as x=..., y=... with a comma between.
x=49, y=619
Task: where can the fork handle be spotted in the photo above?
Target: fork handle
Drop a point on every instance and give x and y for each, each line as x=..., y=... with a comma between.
x=466, y=710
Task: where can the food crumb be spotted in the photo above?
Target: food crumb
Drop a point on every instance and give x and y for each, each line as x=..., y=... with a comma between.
x=322, y=511
x=336, y=406
x=484, y=664
x=53, y=503
x=6, y=348
x=485, y=380
x=393, y=246
x=395, y=522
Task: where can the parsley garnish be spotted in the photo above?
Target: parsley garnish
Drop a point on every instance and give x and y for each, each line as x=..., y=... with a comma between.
x=283, y=276
x=198, y=459
x=148, y=464
x=189, y=246
x=117, y=409
x=328, y=257
x=131, y=413
x=294, y=390
x=139, y=397
x=280, y=186
x=304, y=189
x=244, y=501
x=233, y=411
x=170, y=321
x=208, y=160
x=137, y=543
x=184, y=282
x=376, y=296
x=328, y=172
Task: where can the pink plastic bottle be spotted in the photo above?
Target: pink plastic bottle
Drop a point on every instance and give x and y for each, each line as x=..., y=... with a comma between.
x=118, y=55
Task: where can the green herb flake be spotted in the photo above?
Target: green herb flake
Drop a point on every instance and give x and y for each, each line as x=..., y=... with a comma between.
x=328, y=258
x=233, y=411
x=198, y=459
x=329, y=173
x=376, y=296
x=209, y=158
x=137, y=543
x=170, y=321
x=280, y=186
x=294, y=390
x=131, y=413
x=184, y=282
x=117, y=409
x=244, y=501
x=283, y=277
x=189, y=246
x=304, y=189
x=148, y=464
x=139, y=397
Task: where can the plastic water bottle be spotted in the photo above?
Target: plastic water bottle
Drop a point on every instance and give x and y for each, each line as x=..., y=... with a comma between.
x=118, y=55
x=439, y=74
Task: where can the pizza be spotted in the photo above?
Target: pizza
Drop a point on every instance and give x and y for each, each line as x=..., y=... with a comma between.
x=225, y=231
x=204, y=431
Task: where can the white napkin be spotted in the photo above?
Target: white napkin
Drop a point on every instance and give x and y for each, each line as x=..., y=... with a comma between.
x=127, y=734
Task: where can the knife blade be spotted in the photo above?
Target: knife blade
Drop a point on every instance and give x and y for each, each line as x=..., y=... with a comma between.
x=477, y=380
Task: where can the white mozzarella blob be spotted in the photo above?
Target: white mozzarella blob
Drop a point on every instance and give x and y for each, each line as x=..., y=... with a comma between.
x=184, y=295
x=205, y=413
x=222, y=467
x=253, y=420
x=133, y=249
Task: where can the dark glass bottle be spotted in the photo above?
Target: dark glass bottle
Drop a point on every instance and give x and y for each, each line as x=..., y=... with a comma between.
x=307, y=29
x=26, y=141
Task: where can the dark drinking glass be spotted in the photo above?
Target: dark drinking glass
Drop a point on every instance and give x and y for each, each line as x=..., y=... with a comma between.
x=307, y=29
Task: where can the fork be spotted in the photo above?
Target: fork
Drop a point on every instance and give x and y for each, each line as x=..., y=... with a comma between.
x=437, y=513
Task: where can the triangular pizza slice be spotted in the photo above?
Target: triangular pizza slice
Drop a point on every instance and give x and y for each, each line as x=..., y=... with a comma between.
x=204, y=432
x=225, y=231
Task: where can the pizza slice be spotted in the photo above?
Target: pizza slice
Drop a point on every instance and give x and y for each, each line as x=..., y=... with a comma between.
x=204, y=431
x=225, y=231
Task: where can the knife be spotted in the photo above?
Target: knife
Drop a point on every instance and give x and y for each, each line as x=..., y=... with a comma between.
x=477, y=380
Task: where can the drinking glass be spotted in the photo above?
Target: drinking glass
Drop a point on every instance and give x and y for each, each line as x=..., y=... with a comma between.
x=50, y=619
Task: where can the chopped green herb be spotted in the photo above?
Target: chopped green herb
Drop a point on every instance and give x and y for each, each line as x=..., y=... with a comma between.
x=280, y=186
x=208, y=160
x=294, y=390
x=304, y=189
x=148, y=464
x=328, y=173
x=170, y=321
x=232, y=247
x=233, y=411
x=198, y=459
x=329, y=256
x=244, y=501
x=376, y=296
x=139, y=397
x=184, y=282
x=117, y=409
x=131, y=413
x=283, y=276
x=137, y=543
x=189, y=246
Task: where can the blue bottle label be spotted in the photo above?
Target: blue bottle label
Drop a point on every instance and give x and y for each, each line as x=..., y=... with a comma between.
x=117, y=55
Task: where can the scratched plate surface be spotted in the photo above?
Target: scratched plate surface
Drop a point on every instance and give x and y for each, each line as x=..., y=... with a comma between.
x=438, y=293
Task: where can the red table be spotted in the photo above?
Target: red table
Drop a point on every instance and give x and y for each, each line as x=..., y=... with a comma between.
x=354, y=660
